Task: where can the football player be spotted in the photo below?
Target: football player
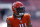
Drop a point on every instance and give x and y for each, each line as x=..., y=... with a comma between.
x=19, y=18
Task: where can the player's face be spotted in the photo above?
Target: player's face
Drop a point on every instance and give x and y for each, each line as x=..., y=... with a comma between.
x=20, y=11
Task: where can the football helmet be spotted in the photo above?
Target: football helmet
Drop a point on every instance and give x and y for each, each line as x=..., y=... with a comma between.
x=18, y=8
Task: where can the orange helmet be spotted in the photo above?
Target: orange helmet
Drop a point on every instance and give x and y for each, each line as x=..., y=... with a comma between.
x=17, y=5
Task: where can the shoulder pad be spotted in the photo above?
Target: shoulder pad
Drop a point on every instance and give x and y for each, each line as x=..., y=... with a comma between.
x=27, y=14
x=8, y=18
